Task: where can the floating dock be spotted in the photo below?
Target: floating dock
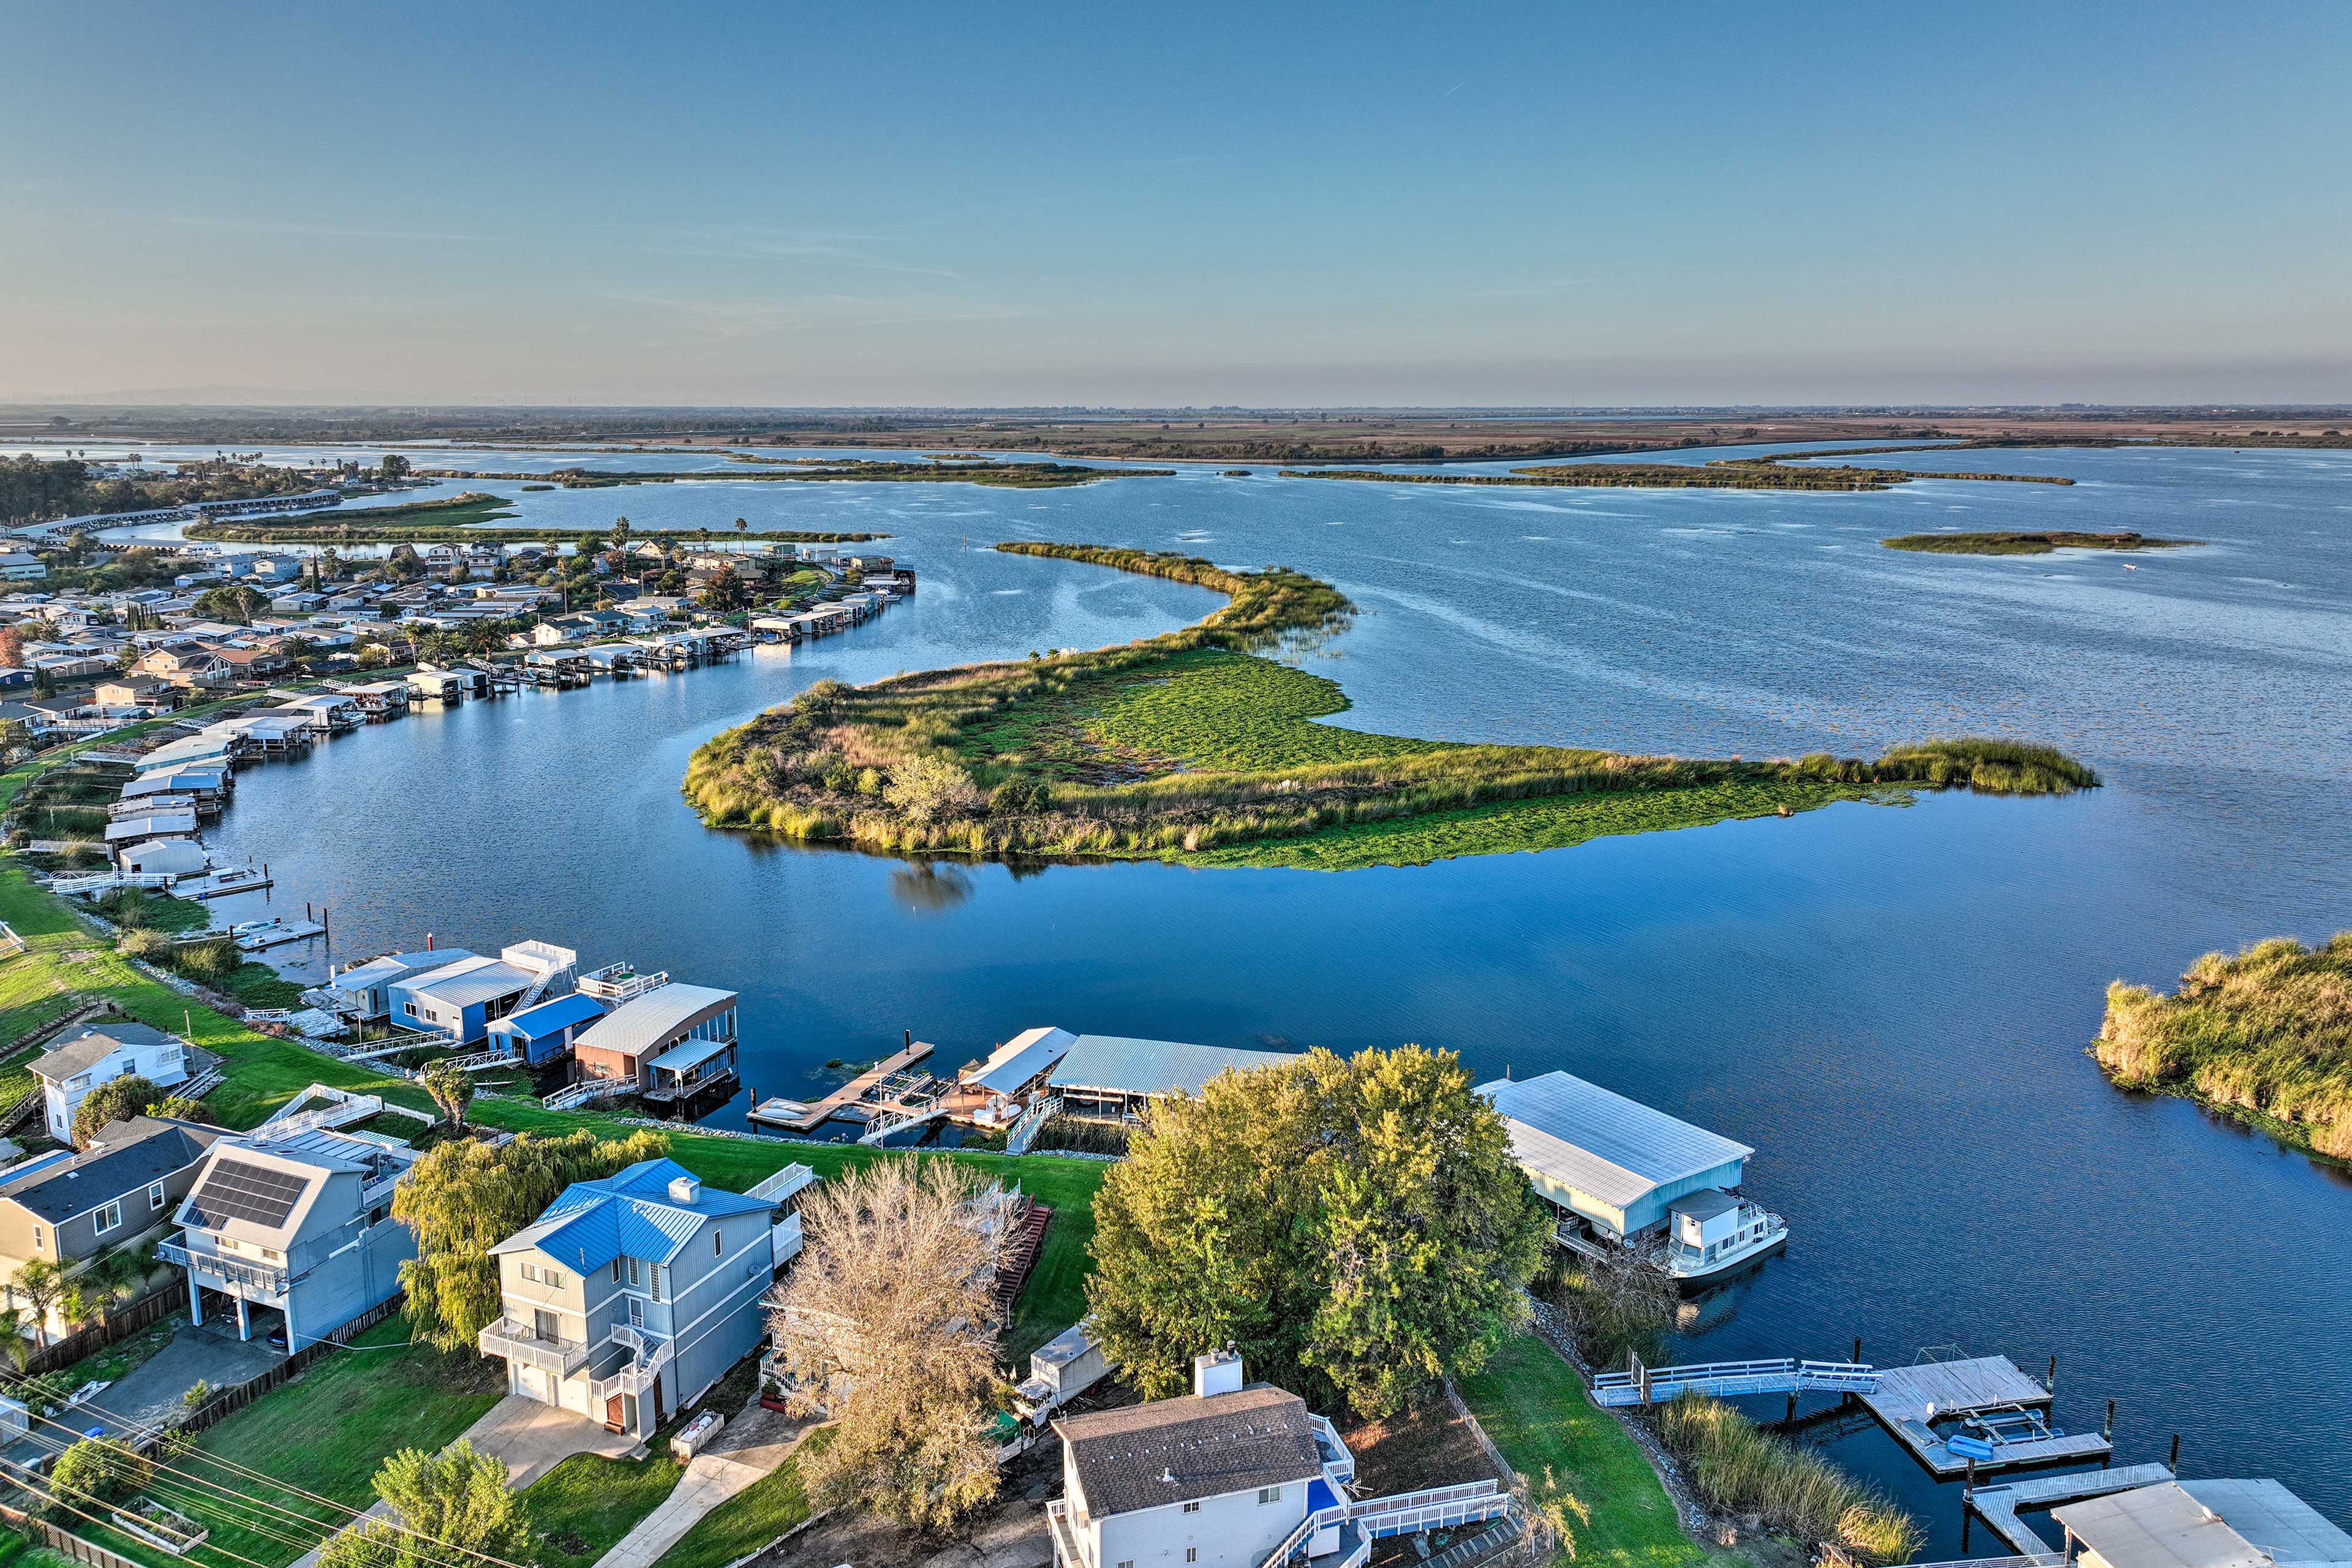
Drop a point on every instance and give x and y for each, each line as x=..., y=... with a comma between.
x=1908, y=1400
x=1999, y=1505
x=221, y=884
x=806, y=1116
x=278, y=936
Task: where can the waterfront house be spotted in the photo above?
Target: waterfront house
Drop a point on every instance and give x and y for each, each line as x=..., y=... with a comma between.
x=69, y=1071
x=247, y=662
x=2201, y=1524
x=70, y=1207
x=163, y=857
x=296, y=1220
x=1617, y=1174
x=364, y=990
x=673, y=1041
x=629, y=1297
x=539, y=1035
x=461, y=998
x=1231, y=1475
x=137, y=694
x=1111, y=1076
x=194, y=668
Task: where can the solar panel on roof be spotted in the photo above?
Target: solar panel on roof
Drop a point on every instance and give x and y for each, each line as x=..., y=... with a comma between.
x=235, y=1190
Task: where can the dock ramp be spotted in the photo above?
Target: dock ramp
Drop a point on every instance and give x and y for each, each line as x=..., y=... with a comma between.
x=1640, y=1384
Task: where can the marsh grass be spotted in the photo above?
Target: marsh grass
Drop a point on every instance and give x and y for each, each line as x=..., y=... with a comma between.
x=2027, y=544
x=2265, y=1034
x=1739, y=1468
x=1192, y=746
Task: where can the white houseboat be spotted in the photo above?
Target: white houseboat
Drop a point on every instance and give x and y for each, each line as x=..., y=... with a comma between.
x=1624, y=1177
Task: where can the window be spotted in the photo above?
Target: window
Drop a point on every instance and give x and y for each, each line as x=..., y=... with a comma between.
x=155, y=1197
x=531, y=1271
x=1192, y=1508
x=634, y=1278
x=409, y=1007
x=658, y=1274
x=1269, y=1494
x=78, y=1080
x=716, y=1249
x=616, y=1271
x=40, y=1238
x=110, y=1216
x=1126, y=1563
x=1191, y=1554
x=554, y=1276
x=637, y=1313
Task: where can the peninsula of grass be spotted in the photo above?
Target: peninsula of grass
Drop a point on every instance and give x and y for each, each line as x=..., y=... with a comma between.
x=796, y=471
x=2028, y=543
x=1194, y=747
x=1724, y=474
x=471, y=518
x=2264, y=1036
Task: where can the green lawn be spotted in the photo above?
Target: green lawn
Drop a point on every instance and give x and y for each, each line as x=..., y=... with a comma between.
x=1533, y=1406
x=744, y=1522
x=327, y=1430
x=1055, y=1297
x=581, y=1508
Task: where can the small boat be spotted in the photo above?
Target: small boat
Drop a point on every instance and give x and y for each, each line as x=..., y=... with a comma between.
x=253, y=928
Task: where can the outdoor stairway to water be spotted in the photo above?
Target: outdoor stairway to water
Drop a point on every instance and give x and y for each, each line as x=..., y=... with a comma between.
x=1019, y=1256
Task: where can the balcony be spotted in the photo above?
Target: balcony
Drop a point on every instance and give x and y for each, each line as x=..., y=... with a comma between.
x=232, y=1274
x=521, y=1342
x=1338, y=1461
x=649, y=1356
x=1065, y=1541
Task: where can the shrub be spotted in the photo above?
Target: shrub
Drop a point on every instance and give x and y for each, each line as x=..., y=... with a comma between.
x=141, y=942
x=1739, y=1468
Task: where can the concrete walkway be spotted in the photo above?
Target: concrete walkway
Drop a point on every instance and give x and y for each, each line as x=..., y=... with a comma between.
x=755, y=1442
x=149, y=1395
x=532, y=1438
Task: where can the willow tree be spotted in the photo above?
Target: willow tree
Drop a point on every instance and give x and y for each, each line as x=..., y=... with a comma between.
x=465, y=1197
x=1355, y=1228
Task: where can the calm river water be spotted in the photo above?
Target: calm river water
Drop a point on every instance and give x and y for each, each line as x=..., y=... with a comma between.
x=1890, y=1004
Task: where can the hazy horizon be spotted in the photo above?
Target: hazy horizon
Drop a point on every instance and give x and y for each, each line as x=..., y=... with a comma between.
x=1361, y=207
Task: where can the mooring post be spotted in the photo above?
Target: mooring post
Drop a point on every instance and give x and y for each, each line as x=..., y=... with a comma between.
x=2108, y=1431
x=2049, y=1384
x=1792, y=1415
x=2173, y=1464
x=1857, y=1350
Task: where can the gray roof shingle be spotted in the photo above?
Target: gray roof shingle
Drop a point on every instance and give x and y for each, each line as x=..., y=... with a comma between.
x=1175, y=1450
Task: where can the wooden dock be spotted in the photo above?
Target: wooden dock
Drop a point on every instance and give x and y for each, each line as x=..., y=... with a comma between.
x=1910, y=1399
x=800, y=1116
x=1999, y=1505
x=279, y=935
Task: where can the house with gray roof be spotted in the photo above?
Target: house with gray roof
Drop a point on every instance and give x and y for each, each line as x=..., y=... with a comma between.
x=69, y=1071
x=629, y=1297
x=298, y=1222
x=460, y=999
x=364, y=990
x=70, y=1207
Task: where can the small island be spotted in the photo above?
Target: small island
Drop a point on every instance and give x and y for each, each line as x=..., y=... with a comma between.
x=1195, y=747
x=1723, y=474
x=2041, y=543
x=2263, y=1036
x=471, y=516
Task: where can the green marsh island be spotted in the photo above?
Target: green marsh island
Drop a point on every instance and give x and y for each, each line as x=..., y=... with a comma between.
x=2028, y=543
x=2264, y=1036
x=1196, y=747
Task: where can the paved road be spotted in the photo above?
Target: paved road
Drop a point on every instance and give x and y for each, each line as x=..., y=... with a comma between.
x=150, y=1391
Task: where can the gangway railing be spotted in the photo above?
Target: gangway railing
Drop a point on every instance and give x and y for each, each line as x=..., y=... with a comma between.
x=574, y=1096
x=1033, y=1121
x=1641, y=1385
x=1433, y=1508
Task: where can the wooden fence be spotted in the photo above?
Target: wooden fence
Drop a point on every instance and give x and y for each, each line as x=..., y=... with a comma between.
x=143, y=1313
x=65, y=1543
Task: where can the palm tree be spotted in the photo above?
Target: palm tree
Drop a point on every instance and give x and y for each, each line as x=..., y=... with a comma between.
x=41, y=1282
x=16, y=1338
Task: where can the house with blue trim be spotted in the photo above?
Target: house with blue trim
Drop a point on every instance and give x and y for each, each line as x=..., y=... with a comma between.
x=629, y=1297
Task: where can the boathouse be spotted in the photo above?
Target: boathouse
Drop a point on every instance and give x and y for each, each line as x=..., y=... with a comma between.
x=542, y=1034
x=1620, y=1166
x=2201, y=1524
x=1019, y=1065
x=672, y=1040
x=460, y=999
x=1111, y=1076
x=364, y=990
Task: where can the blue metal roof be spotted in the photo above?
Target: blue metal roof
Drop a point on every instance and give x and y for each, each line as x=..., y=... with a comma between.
x=628, y=1215
x=550, y=1017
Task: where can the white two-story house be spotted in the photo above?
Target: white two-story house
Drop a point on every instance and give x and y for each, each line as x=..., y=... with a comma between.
x=631, y=1296
x=70, y=1069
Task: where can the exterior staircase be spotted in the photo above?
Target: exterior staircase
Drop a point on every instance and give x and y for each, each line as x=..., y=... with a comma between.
x=1018, y=1255
x=1033, y=1121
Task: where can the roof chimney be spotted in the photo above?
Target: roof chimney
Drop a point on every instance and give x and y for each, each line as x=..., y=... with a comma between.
x=684, y=1189
x=1218, y=1372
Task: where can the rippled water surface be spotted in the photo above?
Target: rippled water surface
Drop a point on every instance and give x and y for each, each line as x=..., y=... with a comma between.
x=1890, y=1004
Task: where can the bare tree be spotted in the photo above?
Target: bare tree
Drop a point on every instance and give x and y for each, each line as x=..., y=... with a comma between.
x=888, y=1326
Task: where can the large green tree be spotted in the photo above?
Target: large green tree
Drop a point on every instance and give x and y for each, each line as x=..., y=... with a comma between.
x=451, y=1507
x=1355, y=1228
x=116, y=1100
x=464, y=1198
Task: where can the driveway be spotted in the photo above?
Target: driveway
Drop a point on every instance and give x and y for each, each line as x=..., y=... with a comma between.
x=150, y=1393
x=754, y=1441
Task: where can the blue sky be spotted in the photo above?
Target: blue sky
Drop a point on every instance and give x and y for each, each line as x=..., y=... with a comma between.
x=1258, y=205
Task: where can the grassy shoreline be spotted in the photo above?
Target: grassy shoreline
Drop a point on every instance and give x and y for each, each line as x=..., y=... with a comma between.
x=1191, y=747
x=2263, y=1036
